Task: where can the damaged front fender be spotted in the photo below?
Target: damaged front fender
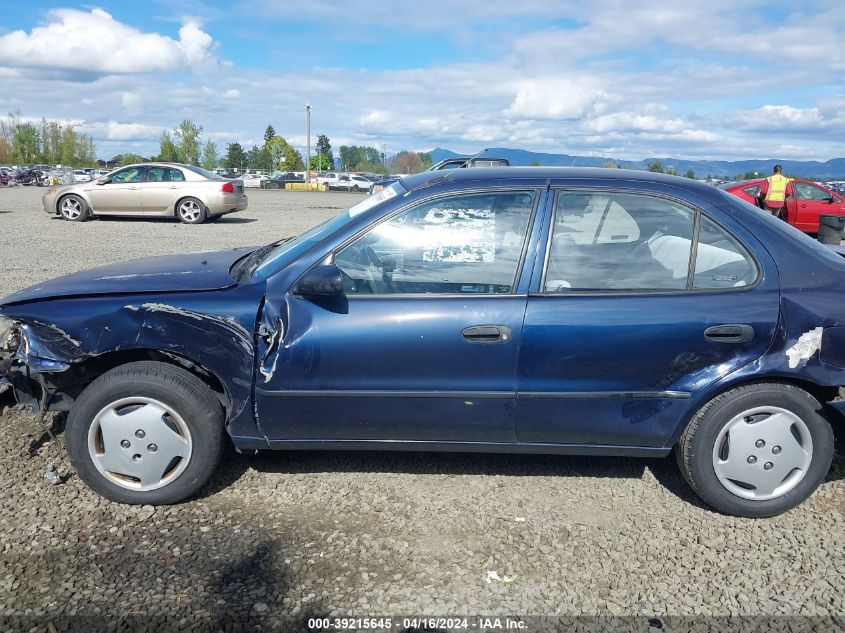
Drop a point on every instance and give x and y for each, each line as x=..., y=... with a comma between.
x=212, y=329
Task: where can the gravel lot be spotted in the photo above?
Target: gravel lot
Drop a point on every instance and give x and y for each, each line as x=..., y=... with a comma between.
x=363, y=534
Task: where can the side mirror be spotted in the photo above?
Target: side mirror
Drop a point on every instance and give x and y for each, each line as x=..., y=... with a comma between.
x=103, y=180
x=831, y=200
x=322, y=281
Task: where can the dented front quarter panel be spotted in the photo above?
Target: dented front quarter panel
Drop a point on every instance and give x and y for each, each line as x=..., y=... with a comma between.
x=213, y=329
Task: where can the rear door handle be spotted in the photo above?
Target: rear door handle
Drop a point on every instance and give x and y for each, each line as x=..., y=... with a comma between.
x=730, y=333
x=487, y=334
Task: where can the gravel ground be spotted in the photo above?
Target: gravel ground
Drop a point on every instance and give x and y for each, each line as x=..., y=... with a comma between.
x=363, y=534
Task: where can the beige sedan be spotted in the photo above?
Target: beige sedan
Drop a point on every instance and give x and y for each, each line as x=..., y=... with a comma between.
x=189, y=193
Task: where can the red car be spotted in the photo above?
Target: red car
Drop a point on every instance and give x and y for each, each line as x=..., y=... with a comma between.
x=802, y=209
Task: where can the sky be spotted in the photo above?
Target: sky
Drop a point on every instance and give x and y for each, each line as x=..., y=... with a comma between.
x=721, y=79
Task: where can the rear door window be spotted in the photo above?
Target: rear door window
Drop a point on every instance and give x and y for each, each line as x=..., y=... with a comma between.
x=631, y=242
x=618, y=241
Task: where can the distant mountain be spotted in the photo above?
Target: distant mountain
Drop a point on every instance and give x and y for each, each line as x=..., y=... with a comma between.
x=832, y=169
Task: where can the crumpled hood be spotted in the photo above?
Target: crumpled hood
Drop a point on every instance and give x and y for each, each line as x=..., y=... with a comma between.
x=169, y=273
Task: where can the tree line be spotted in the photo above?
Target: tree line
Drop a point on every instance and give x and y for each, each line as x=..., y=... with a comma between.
x=48, y=142
x=275, y=154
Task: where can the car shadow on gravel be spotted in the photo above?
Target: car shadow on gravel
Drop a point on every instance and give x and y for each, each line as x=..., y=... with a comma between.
x=432, y=463
x=227, y=220
x=164, y=220
x=664, y=470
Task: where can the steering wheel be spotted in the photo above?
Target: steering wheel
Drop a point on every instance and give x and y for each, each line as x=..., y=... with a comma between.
x=366, y=259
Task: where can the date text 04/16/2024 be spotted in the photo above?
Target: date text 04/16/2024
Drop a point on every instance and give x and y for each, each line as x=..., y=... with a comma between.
x=480, y=623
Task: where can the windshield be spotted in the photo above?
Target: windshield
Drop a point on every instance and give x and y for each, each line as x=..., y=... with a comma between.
x=276, y=259
x=285, y=253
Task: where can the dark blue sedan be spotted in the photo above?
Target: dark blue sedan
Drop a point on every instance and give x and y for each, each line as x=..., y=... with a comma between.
x=529, y=310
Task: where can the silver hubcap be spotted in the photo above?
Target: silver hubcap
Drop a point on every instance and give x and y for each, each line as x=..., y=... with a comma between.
x=71, y=208
x=139, y=443
x=763, y=453
x=190, y=211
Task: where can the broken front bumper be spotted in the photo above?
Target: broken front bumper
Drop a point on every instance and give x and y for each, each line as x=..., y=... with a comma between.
x=23, y=372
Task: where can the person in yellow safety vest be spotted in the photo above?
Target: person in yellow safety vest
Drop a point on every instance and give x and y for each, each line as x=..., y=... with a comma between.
x=774, y=191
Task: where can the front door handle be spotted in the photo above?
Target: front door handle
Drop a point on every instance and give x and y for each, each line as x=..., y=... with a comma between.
x=730, y=333
x=487, y=334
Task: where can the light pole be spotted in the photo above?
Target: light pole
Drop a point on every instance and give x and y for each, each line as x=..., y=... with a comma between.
x=308, y=144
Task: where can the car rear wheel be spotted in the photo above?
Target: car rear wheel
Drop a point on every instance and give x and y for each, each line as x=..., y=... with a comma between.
x=146, y=433
x=191, y=211
x=73, y=208
x=271, y=184
x=756, y=450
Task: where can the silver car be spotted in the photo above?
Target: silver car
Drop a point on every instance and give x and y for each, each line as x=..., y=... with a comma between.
x=189, y=193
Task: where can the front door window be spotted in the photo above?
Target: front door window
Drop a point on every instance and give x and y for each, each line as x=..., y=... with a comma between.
x=466, y=244
x=806, y=191
x=130, y=174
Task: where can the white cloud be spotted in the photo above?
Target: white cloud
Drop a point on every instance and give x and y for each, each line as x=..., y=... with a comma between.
x=114, y=131
x=780, y=117
x=553, y=98
x=130, y=101
x=95, y=42
x=483, y=133
x=589, y=84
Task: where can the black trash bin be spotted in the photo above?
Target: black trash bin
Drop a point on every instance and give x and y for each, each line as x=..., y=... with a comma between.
x=831, y=229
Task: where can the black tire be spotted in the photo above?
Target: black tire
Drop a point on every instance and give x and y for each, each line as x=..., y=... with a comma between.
x=180, y=391
x=271, y=185
x=73, y=208
x=356, y=189
x=695, y=448
x=191, y=211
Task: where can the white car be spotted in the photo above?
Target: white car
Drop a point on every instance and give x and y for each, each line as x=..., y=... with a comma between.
x=329, y=179
x=253, y=179
x=351, y=182
x=81, y=175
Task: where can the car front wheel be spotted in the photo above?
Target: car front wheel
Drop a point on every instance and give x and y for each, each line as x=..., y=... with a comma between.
x=191, y=211
x=73, y=208
x=757, y=450
x=146, y=433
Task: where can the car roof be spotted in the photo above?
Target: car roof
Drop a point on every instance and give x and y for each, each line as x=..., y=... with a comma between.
x=155, y=164
x=510, y=174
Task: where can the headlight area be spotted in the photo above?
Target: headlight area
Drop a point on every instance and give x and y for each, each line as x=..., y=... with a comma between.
x=13, y=341
x=14, y=373
x=27, y=376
